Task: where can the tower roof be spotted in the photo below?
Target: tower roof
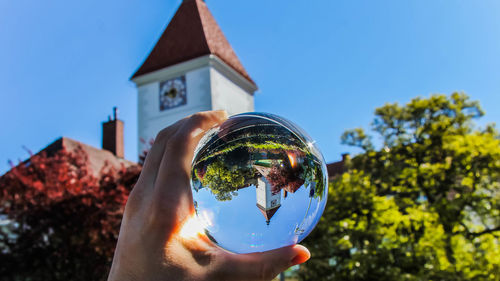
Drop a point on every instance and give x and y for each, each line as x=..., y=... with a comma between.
x=268, y=214
x=192, y=33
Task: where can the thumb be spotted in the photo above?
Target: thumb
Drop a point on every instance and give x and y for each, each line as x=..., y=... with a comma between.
x=265, y=265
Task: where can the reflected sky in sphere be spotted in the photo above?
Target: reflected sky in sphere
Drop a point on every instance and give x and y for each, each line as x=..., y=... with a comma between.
x=259, y=183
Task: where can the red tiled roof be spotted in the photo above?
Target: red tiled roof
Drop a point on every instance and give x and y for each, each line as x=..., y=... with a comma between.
x=98, y=158
x=335, y=169
x=192, y=33
x=294, y=186
x=269, y=213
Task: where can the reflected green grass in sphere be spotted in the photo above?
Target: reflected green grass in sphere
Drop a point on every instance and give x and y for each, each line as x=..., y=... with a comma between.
x=259, y=183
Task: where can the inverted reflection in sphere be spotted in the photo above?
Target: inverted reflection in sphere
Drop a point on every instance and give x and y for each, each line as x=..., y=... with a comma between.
x=259, y=183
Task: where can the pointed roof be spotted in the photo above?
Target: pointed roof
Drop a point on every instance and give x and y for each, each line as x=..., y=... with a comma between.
x=192, y=33
x=268, y=214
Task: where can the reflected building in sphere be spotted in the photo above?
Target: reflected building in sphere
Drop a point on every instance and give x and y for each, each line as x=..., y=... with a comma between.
x=269, y=196
x=268, y=201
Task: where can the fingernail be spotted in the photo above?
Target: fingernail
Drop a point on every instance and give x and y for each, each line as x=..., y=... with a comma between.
x=302, y=255
x=223, y=112
x=197, y=132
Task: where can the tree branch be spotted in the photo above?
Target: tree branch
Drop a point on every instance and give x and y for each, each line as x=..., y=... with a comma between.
x=476, y=234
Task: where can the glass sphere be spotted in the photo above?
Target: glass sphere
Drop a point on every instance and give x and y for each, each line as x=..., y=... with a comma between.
x=259, y=183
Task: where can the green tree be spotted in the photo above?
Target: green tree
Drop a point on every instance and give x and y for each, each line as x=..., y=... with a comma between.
x=224, y=181
x=423, y=206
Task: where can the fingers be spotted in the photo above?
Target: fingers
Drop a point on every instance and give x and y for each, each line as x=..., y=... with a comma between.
x=184, y=142
x=172, y=188
x=142, y=192
x=265, y=265
x=155, y=154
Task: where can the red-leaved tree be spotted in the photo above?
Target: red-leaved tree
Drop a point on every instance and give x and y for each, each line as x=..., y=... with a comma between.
x=59, y=221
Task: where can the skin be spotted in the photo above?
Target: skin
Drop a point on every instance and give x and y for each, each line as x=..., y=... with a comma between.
x=152, y=244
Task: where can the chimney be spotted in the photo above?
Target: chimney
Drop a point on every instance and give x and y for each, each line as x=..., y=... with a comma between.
x=344, y=157
x=112, y=135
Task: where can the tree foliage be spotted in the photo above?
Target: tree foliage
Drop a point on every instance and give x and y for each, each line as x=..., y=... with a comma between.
x=424, y=205
x=224, y=180
x=61, y=222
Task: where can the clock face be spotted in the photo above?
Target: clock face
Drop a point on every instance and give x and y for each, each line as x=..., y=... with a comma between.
x=173, y=93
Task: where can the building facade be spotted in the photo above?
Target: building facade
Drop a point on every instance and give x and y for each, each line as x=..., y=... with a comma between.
x=192, y=68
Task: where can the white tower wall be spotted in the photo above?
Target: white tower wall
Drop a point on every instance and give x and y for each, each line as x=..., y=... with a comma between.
x=228, y=95
x=210, y=85
x=151, y=120
x=265, y=197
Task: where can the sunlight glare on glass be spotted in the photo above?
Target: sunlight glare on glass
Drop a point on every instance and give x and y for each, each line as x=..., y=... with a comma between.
x=291, y=158
x=191, y=228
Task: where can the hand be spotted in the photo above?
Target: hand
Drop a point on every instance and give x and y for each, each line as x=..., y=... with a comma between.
x=152, y=244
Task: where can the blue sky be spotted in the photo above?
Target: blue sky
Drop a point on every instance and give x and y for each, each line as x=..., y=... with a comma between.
x=324, y=64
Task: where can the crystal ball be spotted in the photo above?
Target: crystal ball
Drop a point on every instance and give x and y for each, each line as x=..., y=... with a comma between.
x=259, y=183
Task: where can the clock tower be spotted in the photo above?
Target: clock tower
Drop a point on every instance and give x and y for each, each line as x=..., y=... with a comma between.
x=192, y=68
